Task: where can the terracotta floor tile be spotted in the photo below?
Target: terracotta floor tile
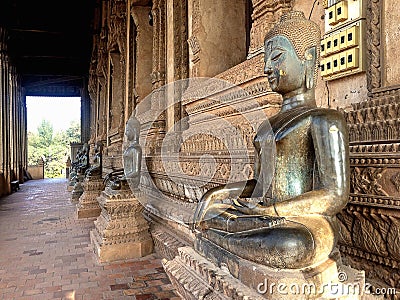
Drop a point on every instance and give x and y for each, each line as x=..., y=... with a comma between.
x=46, y=253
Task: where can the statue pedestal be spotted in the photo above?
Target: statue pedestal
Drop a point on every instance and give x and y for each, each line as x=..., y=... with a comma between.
x=121, y=232
x=77, y=191
x=223, y=275
x=88, y=206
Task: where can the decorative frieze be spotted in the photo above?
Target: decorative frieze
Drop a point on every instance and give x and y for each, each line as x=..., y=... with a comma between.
x=371, y=232
x=375, y=120
x=198, y=276
x=370, y=222
x=195, y=277
x=374, y=79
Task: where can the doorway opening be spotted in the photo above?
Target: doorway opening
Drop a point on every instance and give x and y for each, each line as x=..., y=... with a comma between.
x=53, y=123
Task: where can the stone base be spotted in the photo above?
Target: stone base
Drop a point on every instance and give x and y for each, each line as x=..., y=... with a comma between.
x=120, y=232
x=194, y=277
x=88, y=206
x=165, y=243
x=215, y=273
x=88, y=213
x=123, y=251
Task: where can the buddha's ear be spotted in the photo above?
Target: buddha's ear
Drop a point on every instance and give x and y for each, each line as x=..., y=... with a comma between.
x=310, y=60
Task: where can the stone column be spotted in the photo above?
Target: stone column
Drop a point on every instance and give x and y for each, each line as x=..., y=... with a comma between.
x=4, y=99
x=144, y=51
x=85, y=112
x=121, y=232
x=158, y=121
x=88, y=206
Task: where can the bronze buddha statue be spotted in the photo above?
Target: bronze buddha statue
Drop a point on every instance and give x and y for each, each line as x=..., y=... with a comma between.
x=293, y=223
x=132, y=156
x=96, y=168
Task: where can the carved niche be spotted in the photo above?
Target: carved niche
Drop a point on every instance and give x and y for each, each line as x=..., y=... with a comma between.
x=117, y=66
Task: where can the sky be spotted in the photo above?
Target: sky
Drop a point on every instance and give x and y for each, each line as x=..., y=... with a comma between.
x=59, y=111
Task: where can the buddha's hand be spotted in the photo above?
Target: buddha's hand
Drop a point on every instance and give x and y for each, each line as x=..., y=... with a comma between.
x=209, y=199
x=251, y=208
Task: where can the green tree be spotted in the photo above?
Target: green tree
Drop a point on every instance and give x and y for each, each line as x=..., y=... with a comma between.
x=74, y=132
x=52, y=147
x=45, y=132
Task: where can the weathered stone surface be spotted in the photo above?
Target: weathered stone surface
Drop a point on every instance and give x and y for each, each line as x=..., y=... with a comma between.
x=88, y=206
x=195, y=277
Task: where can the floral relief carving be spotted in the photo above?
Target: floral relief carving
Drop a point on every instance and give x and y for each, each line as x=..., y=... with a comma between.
x=396, y=181
x=366, y=181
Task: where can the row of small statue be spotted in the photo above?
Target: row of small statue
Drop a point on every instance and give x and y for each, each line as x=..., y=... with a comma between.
x=118, y=179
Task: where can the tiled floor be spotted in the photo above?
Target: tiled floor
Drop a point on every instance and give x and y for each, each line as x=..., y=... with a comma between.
x=45, y=253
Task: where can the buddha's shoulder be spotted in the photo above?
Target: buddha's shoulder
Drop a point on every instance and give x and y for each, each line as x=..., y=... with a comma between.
x=316, y=116
x=327, y=115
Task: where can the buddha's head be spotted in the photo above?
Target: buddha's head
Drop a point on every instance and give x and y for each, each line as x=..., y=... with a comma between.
x=132, y=129
x=98, y=148
x=292, y=54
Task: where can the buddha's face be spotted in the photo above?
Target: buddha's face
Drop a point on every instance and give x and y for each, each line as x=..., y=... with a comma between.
x=285, y=70
x=129, y=132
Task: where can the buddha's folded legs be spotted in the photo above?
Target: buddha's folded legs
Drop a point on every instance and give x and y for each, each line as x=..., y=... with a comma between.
x=290, y=245
x=227, y=218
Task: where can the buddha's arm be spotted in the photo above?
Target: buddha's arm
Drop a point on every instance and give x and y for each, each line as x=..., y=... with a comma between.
x=232, y=190
x=330, y=139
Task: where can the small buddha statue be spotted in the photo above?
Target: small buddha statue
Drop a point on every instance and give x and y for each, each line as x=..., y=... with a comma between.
x=83, y=159
x=291, y=222
x=133, y=153
x=96, y=168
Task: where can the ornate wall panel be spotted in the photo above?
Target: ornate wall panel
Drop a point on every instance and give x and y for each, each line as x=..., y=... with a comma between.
x=117, y=36
x=370, y=224
x=265, y=15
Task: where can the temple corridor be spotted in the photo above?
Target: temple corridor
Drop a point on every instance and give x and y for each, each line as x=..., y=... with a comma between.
x=45, y=252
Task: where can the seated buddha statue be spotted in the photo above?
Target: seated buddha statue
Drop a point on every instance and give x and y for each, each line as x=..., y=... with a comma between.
x=128, y=177
x=132, y=156
x=83, y=163
x=310, y=178
x=96, y=167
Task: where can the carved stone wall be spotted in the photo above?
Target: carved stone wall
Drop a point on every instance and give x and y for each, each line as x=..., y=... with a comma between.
x=370, y=224
x=107, y=81
x=209, y=155
x=265, y=15
x=117, y=39
x=217, y=38
x=215, y=141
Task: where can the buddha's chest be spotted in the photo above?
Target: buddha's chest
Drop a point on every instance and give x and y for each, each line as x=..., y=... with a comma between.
x=293, y=157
